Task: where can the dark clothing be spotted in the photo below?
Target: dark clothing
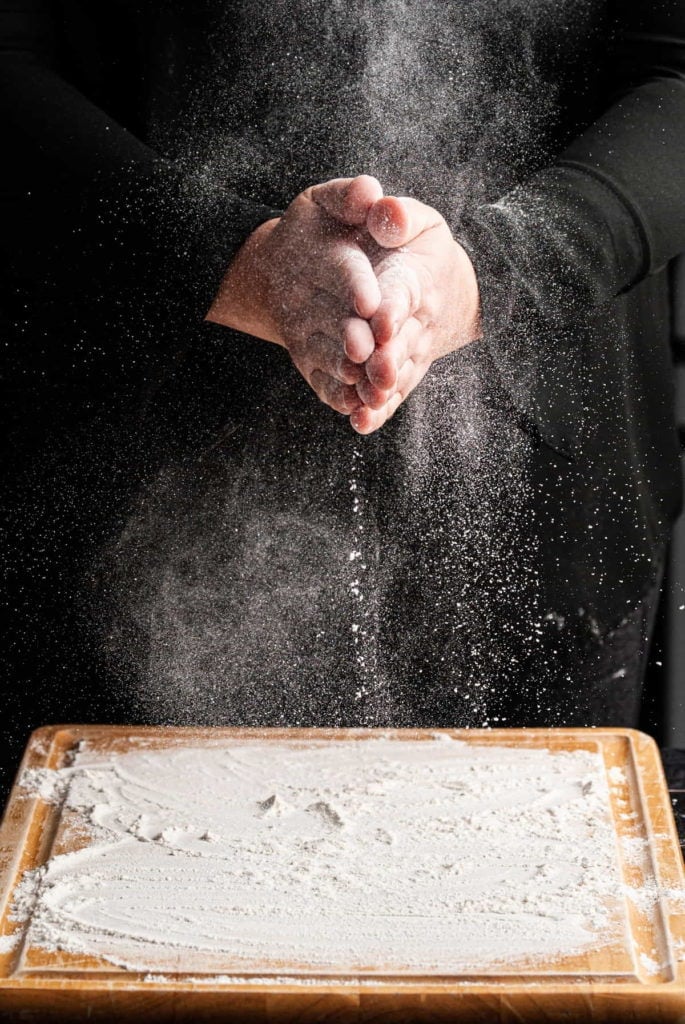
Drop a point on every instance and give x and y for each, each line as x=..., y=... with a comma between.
x=529, y=482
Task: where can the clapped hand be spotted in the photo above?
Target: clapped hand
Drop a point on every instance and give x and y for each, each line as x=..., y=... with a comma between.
x=429, y=304
x=306, y=281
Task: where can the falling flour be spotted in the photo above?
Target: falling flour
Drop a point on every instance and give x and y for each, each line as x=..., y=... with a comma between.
x=358, y=568
x=363, y=586
x=368, y=855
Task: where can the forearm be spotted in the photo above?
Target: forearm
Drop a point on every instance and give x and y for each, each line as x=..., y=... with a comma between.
x=93, y=215
x=612, y=207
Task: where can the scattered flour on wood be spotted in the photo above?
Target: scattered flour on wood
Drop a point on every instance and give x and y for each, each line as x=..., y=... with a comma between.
x=432, y=856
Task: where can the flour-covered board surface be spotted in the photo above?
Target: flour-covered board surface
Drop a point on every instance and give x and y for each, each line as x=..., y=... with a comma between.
x=336, y=874
x=385, y=855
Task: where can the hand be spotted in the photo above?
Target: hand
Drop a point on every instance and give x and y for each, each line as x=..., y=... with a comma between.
x=429, y=306
x=305, y=281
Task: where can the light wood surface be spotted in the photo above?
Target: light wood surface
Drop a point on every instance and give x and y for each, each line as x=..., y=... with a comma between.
x=611, y=984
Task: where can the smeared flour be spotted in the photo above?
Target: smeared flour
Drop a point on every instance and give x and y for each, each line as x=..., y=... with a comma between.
x=9, y=942
x=376, y=854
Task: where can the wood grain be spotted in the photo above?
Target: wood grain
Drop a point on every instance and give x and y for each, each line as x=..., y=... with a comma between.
x=605, y=985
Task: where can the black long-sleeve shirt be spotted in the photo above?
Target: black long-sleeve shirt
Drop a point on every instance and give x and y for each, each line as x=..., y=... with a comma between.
x=148, y=139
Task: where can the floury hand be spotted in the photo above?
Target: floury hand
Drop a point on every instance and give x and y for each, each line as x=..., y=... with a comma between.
x=429, y=307
x=364, y=291
x=306, y=281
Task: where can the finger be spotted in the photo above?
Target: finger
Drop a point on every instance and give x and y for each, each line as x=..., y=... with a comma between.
x=394, y=221
x=346, y=272
x=383, y=365
x=365, y=420
x=410, y=375
x=327, y=354
x=358, y=340
x=372, y=396
x=341, y=397
x=351, y=337
x=400, y=298
x=348, y=199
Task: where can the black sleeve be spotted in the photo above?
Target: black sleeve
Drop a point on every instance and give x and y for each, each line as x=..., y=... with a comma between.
x=96, y=224
x=609, y=212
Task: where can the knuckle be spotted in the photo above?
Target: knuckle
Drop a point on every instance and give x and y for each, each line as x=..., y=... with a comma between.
x=303, y=198
x=315, y=378
x=347, y=371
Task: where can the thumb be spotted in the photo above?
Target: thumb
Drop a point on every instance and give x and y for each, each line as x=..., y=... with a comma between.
x=348, y=199
x=394, y=221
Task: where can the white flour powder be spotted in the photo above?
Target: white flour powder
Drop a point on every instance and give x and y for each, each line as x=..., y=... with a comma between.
x=376, y=854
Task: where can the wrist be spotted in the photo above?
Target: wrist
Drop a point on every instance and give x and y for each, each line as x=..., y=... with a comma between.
x=242, y=299
x=472, y=327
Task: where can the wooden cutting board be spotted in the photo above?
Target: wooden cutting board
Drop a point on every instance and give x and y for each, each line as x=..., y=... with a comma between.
x=609, y=985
